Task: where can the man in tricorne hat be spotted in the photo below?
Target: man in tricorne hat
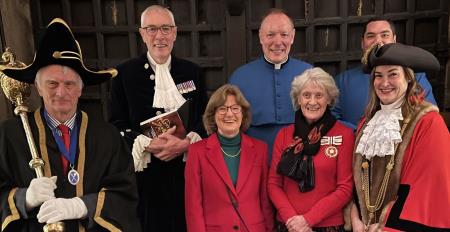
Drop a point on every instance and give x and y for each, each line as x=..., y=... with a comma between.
x=88, y=178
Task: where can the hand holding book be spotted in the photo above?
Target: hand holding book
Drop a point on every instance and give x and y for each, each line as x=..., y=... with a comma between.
x=159, y=124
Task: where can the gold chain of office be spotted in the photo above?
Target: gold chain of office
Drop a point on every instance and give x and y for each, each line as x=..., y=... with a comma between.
x=372, y=209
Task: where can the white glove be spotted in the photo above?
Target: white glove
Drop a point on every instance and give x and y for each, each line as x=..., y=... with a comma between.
x=60, y=209
x=40, y=190
x=140, y=157
x=193, y=138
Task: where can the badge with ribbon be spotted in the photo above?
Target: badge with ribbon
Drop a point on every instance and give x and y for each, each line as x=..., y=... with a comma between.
x=331, y=151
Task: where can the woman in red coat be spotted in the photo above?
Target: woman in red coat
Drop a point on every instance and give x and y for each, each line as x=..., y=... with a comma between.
x=310, y=179
x=226, y=174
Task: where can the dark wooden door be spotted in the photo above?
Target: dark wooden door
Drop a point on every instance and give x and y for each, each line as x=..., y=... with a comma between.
x=220, y=35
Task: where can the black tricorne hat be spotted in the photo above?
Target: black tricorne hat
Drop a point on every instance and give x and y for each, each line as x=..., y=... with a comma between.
x=58, y=46
x=412, y=57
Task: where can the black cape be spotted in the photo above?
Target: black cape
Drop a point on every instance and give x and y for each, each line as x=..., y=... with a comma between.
x=105, y=165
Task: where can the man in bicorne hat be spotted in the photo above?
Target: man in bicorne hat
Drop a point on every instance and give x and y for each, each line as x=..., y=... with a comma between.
x=88, y=178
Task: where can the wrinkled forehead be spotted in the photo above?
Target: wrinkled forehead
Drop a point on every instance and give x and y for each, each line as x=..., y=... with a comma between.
x=57, y=72
x=276, y=22
x=157, y=17
x=312, y=86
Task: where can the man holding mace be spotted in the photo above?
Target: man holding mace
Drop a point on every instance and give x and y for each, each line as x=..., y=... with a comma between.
x=87, y=178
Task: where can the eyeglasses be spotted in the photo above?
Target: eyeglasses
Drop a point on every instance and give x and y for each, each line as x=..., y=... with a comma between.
x=152, y=30
x=235, y=109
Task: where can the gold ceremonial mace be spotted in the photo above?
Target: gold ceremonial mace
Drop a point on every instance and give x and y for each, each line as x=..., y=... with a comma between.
x=17, y=92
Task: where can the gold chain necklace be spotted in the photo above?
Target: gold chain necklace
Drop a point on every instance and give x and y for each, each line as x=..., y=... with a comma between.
x=231, y=156
x=372, y=209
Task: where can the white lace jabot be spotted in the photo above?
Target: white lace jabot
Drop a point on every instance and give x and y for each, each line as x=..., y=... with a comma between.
x=382, y=131
x=166, y=94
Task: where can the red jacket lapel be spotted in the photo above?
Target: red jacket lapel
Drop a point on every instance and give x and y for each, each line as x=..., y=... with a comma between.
x=215, y=157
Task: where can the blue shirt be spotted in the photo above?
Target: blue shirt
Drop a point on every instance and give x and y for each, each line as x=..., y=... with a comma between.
x=354, y=87
x=268, y=91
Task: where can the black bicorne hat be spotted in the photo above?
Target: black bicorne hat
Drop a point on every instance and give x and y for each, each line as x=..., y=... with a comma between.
x=415, y=58
x=58, y=46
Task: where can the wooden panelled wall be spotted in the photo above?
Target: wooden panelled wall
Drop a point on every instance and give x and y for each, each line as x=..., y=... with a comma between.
x=220, y=35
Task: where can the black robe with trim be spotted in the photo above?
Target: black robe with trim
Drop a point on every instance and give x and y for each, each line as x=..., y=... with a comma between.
x=108, y=183
x=161, y=184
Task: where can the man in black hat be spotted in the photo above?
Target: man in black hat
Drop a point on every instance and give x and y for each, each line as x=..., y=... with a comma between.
x=88, y=180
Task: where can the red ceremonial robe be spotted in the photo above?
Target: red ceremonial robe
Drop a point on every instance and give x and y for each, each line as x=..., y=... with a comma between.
x=422, y=202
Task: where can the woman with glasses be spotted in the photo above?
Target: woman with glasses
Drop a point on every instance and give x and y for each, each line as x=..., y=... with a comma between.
x=226, y=174
x=310, y=178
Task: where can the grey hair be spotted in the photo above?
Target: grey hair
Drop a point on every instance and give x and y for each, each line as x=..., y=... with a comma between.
x=37, y=80
x=317, y=76
x=156, y=8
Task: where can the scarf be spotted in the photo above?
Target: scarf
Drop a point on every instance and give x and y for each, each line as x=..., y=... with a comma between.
x=297, y=159
x=166, y=94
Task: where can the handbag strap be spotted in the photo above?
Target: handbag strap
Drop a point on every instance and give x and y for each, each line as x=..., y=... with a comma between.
x=235, y=206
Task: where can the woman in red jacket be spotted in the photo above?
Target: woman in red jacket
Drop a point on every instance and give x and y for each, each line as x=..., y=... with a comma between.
x=310, y=178
x=226, y=174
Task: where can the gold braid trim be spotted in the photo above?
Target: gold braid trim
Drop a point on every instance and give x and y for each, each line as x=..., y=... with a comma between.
x=42, y=142
x=414, y=117
x=365, y=57
x=82, y=153
x=12, y=207
x=97, y=218
x=81, y=159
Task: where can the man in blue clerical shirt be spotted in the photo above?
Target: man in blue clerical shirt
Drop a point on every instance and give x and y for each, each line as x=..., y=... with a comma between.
x=353, y=84
x=266, y=81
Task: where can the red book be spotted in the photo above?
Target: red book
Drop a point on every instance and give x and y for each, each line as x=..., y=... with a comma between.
x=159, y=124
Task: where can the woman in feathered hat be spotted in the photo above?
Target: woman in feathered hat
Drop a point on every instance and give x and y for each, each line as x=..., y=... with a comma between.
x=402, y=148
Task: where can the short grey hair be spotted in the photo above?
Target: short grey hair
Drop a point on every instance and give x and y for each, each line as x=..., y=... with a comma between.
x=316, y=76
x=156, y=8
x=37, y=80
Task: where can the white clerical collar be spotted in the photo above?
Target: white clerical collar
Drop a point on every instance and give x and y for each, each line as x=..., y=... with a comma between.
x=276, y=65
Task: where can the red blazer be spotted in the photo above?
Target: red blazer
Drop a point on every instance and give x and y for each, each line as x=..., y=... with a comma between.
x=208, y=205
